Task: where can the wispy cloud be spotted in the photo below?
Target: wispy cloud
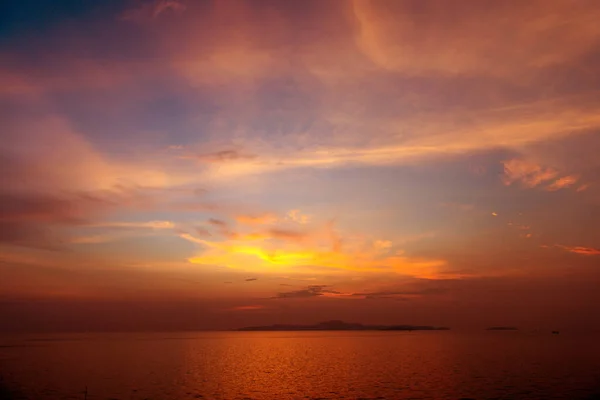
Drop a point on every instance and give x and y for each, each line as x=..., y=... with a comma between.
x=583, y=187
x=150, y=10
x=222, y=156
x=531, y=175
x=585, y=251
x=257, y=219
x=309, y=291
x=32, y=219
x=136, y=225
x=526, y=173
x=562, y=183
x=297, y=216
x=217, y=222
x=398, y=294
x=391, y=39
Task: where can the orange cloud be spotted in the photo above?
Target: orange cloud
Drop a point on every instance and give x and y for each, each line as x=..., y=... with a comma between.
x=562, y=183
x=322, y=250
x=586, y=251
x=531, y=175
x=270, y=218
x=527, y=173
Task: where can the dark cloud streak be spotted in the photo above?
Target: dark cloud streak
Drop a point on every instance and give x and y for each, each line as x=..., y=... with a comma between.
x=308, y=292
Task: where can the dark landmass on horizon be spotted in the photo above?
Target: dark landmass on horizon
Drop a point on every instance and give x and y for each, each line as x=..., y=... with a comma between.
x=341, y=326
x=502, y=328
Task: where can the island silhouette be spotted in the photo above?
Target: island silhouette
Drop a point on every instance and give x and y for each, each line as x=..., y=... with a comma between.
x=336, y=325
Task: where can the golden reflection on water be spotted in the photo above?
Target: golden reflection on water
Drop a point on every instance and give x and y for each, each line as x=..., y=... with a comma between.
x=298, y=365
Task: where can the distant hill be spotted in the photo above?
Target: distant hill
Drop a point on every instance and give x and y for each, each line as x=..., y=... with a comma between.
x=341, y=326
x=502, y=328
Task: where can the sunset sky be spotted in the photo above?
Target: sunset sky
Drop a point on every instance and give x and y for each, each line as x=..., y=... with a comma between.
x=188, y=164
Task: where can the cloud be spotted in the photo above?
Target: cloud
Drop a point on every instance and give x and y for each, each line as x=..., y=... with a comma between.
x=550, y=33
x=273, y=233
x=202, y=232
x=288, y=114
x=459, y=206
x=286, y=234
x=583, y=187
x=505, y=129
x=251, y=279
x=71, y=165
x=217, y=222
x=526, y=173
x=402, y=294
x=34, y=219
x=586, y=251
x=99, y=238
x=257, y=219
x=309, y=291
x=158, y=225
x=316, y=254
x=222, y=156
x=262, y=86
x=150, y=10
x=192, y=239
x=382, y=244
x=40, y=208
x=562, y=183
x=297, y=216
x=531, y=175
x=247, y=308
x=114, y=231
x=57, y=181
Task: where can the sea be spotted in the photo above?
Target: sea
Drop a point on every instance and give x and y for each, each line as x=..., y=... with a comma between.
x=301, y=365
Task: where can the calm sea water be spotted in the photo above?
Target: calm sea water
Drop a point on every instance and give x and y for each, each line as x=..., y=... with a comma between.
x=303, y=365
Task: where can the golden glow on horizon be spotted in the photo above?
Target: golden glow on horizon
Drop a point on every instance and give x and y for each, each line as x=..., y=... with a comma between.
x=314, y=256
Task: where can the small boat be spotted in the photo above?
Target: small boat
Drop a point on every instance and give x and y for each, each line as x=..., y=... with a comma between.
x=555, y=332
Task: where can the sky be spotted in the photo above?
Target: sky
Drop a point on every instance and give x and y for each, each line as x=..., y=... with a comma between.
x=189, y=164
